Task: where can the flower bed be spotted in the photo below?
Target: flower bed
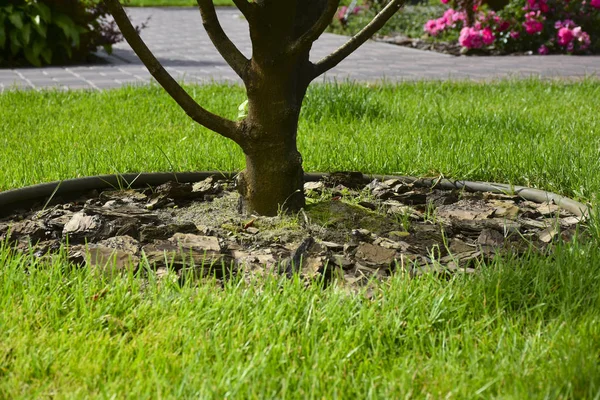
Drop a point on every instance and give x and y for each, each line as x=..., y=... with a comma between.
x=542, y=26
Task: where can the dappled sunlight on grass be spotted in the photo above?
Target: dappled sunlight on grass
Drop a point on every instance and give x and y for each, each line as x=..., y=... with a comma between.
x=528, y=133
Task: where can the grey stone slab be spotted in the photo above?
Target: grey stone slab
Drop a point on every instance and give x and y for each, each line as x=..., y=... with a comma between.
x=178, y=40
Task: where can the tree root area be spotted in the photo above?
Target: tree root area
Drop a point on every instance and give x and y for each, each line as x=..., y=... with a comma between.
x=349, y=232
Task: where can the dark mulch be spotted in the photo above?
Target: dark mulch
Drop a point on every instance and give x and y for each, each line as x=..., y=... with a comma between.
x=349, y=231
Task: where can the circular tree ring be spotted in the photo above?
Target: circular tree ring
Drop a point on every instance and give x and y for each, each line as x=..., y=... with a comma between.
x=45, y=192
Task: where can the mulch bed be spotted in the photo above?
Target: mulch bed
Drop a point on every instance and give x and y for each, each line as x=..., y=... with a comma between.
x=350, y=231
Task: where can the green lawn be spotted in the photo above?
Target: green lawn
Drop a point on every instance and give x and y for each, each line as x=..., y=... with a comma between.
x=522, y=328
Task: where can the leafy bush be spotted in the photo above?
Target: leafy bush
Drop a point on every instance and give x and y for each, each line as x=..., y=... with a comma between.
x=37, y=32
x=542, y=26
x=408, y=21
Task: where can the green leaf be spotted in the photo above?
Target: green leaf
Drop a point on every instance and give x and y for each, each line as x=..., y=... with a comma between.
x=40, y=28
x=37, y=46
x=43, y=11
x=14, y=38
x=33, y=58
x=15, y=43
x=243, y=110
x=68, y=27
x=26, y=34
x=65, y=23
x=46, y=54
x=17, y=20
x=107, y=48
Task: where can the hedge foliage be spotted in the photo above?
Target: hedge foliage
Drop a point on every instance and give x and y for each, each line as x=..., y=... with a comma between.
x=41, y=32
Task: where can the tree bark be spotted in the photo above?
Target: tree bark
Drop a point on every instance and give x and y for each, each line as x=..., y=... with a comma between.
x=272, y=182
x=273, y=179
x=276, y=80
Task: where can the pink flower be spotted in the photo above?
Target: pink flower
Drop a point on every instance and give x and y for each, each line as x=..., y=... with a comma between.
x=487, y=36
x=568, y=37
x=565, y=36
x=432, y=27
x=570, y=47
x=533, y=22
x=515, y=35
x=584, y=41
x=441, y=23
x=458, y=16
x=582, y=37
x=543, y=50
x=451, y=17
x=470, y=38
x=504, y=25
x=595, y=3
x=444, y=1
x=537, y=5
x=567, y=23
x=532, y=27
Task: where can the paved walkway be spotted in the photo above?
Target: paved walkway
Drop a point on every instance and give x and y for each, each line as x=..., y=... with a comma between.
x=177, y=38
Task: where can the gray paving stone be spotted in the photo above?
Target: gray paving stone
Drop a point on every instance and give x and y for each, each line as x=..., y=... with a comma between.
x=177, y=38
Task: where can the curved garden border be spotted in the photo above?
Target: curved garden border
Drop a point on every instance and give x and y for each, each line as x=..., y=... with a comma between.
x=17, y=198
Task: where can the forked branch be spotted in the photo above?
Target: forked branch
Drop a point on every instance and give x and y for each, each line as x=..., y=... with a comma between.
x=212, y=121
x=234, y=57
x=246, y=8
x=357, y=40
x=313, y=33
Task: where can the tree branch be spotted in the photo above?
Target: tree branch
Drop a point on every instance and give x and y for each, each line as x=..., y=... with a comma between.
x=357, y=40
x=313, y=33
x=246, y=8
x=234, y=57
x=212, y=121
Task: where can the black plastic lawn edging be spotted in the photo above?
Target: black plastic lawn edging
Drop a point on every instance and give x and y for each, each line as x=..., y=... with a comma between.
x=11, y=200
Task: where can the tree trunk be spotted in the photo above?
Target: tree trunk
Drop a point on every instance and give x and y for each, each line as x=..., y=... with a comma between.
x=273, y=181
x=276, y=83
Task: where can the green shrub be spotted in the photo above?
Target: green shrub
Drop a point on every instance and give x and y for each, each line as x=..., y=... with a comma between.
x=38, y=32
x=408, y=21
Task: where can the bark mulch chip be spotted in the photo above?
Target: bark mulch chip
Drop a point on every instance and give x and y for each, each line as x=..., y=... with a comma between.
x=349, y=231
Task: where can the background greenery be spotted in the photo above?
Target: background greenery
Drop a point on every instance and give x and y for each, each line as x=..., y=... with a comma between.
x=53, y=32
x=409, y=21
x=521, y=328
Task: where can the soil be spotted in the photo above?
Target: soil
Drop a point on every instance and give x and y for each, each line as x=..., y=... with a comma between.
x=351, y=231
